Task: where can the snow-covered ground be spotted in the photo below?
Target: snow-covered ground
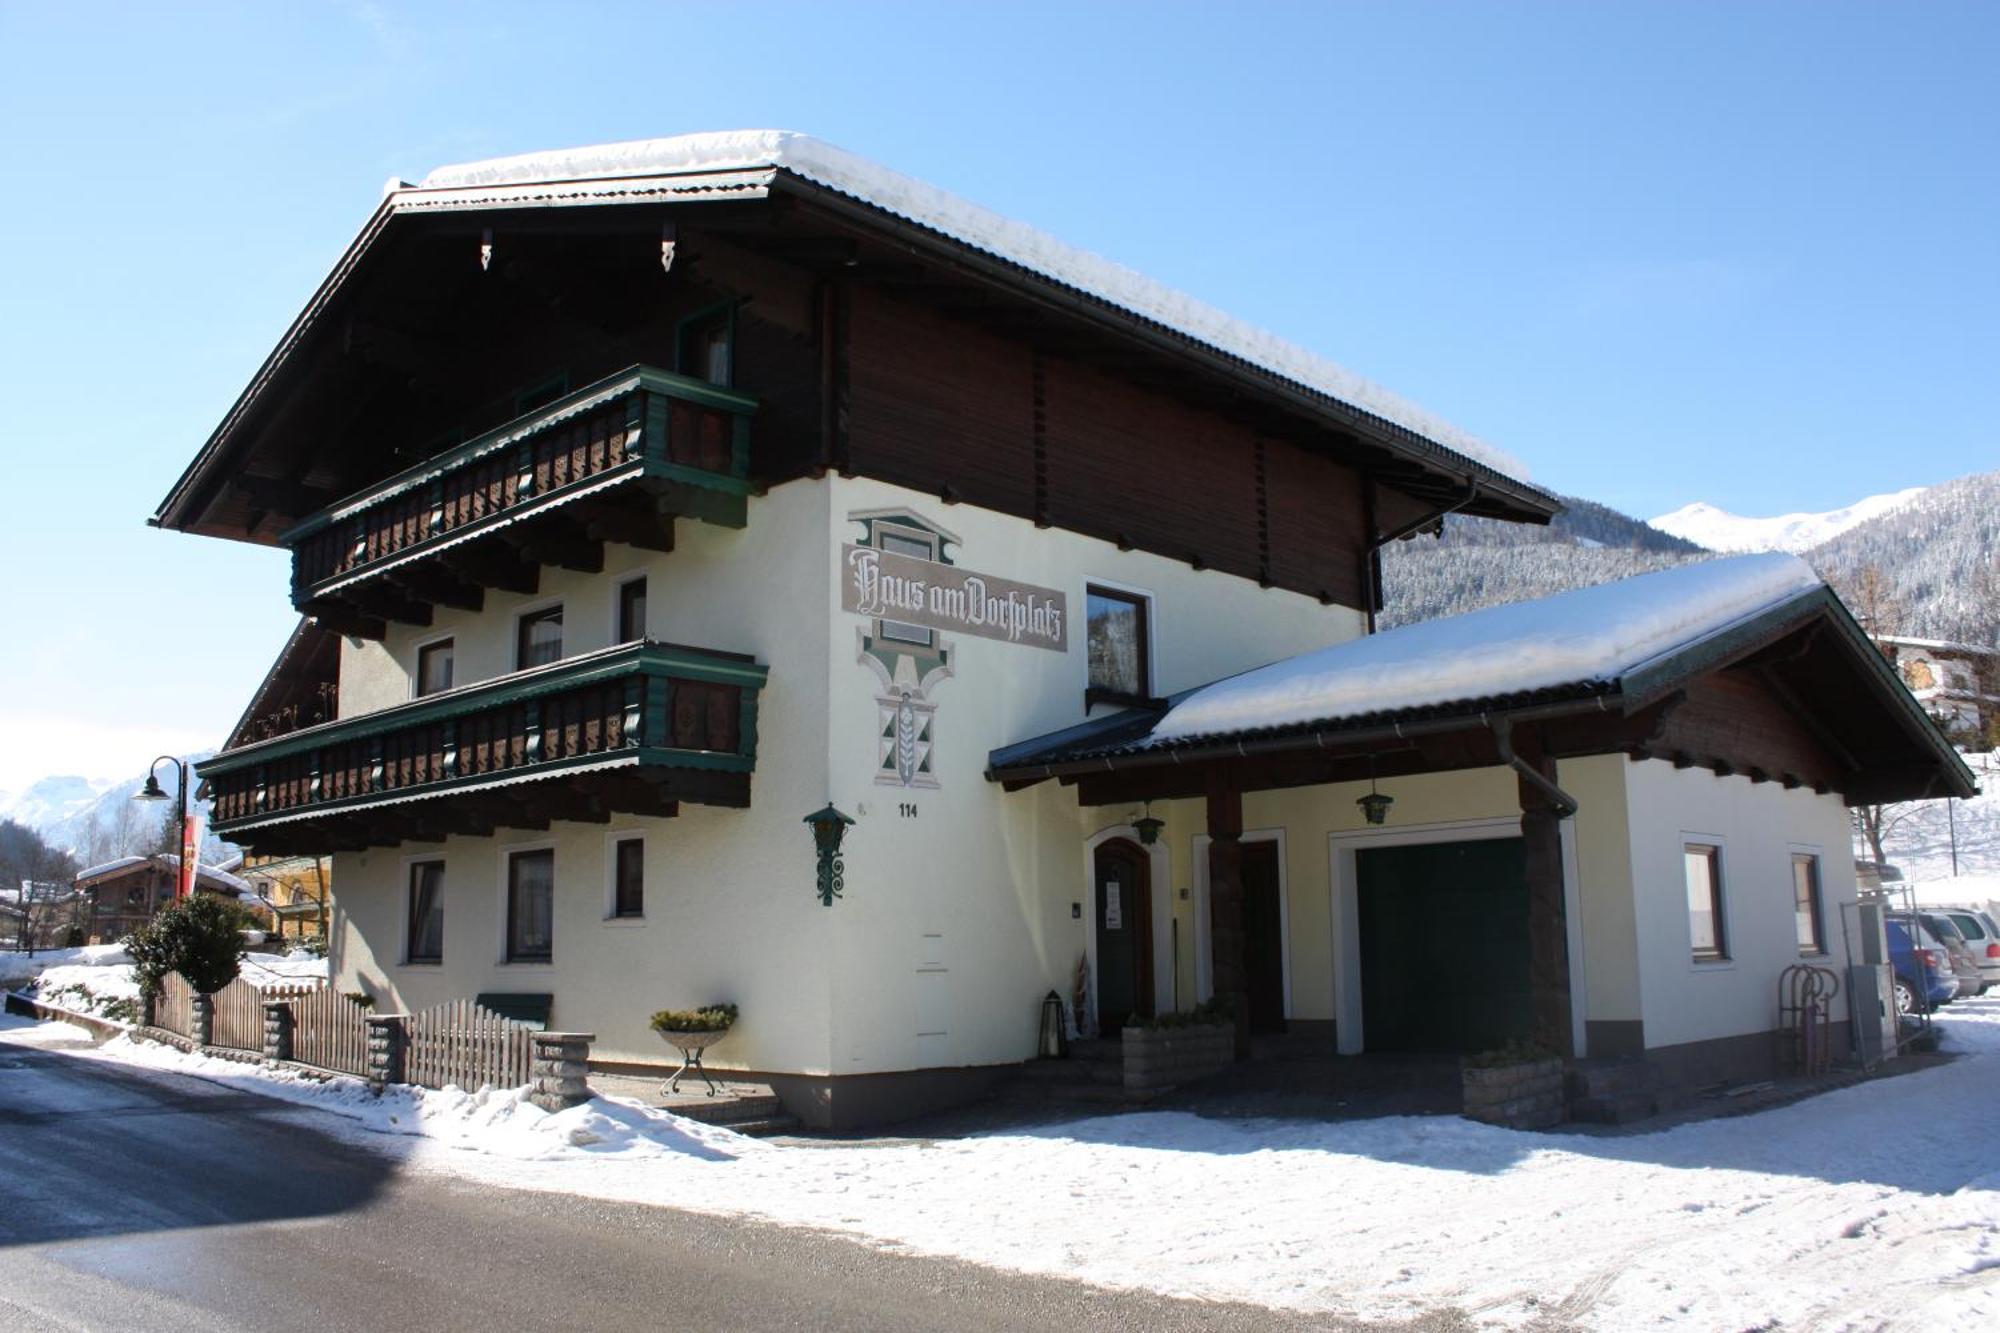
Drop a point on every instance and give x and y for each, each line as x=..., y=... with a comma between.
x=1874, y=1207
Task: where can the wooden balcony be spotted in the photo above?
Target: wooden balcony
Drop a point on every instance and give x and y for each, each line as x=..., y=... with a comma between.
x=617, y=461
x=635, y=729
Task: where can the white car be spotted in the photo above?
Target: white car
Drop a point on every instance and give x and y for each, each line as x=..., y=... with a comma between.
x=1982, y=936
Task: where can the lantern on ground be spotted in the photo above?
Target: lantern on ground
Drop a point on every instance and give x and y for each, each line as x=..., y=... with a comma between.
x=829, y=826
x=1053, y=1043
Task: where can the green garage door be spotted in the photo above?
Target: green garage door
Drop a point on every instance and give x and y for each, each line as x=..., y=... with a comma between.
x=1444, y=946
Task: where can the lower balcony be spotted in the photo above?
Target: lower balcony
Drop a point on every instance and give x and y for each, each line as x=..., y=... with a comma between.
x=635, y=729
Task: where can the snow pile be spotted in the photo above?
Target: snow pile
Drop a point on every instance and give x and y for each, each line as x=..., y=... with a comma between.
x=97, y=980
x=498, y=1122
x=981, y=228
x=1720, y=530
x=1591, y=634
x=21, y=969
x=289, y=969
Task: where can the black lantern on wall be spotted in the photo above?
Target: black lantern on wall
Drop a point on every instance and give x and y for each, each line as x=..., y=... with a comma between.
x=1374, y=806
x=1147, y=827
x=829, y=826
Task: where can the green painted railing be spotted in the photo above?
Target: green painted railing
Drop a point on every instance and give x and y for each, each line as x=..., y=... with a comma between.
x=639, y=703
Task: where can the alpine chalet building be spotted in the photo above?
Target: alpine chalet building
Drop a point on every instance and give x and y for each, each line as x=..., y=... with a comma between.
x=733, y=572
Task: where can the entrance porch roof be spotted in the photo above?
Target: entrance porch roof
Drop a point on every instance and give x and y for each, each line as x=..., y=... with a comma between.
x=1748, y=665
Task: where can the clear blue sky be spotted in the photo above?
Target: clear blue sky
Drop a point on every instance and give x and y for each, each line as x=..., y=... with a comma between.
x=1735, y=252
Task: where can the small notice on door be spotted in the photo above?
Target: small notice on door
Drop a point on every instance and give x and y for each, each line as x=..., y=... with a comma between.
x=1114, y=915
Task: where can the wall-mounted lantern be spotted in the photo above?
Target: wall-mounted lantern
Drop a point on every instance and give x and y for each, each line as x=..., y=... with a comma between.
x=1147, y=827
x=829, y=826
x=1374, y=806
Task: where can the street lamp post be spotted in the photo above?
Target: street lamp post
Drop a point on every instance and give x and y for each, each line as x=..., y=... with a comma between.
x=152, y=792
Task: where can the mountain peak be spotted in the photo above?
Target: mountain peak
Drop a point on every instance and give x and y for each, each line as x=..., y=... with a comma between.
x=1720, y=530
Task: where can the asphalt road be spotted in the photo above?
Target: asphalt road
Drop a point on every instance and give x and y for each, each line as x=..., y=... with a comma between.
x=134, y=1200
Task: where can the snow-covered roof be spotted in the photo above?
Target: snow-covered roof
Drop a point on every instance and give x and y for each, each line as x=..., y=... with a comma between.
x=213, y=874
x=1587, y=635
x=523, y=178
x=1935, y=645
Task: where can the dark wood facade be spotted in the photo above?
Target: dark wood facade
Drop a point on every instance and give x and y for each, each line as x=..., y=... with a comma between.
x=864, y=354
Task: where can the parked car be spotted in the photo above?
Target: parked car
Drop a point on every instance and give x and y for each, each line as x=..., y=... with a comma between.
x=1964, y=962
x=1982, y=933
x=1924, y=979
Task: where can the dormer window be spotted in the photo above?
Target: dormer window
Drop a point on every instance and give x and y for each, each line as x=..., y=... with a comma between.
x=1121, y=667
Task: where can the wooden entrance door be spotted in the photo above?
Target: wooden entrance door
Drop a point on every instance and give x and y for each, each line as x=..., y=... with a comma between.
x=1263, y=937
x=1124, y=934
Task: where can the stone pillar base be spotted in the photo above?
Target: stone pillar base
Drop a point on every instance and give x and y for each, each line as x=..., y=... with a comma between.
x=561, y=1070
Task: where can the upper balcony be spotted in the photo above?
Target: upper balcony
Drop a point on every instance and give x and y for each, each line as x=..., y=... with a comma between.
x=634, y=729
x=617, y=461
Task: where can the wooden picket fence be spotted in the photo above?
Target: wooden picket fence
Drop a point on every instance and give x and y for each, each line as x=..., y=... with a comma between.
x=239, y=1012
x=173, y=1007
x=330, y=1031
x=467, y=1044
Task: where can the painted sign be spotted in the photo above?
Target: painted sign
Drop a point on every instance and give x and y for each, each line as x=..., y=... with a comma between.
x=905, y=590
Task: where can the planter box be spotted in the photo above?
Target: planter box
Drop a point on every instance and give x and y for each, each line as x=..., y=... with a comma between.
x=1161, y=1058
x=1525, y=1096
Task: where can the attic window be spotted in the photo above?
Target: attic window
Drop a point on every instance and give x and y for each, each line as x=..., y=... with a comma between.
x=705, y=345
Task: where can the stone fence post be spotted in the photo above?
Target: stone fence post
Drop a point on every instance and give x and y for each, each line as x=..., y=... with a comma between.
x=201, y=1025
x=561, y=1069
x=278, y=1024
x=388, y=1042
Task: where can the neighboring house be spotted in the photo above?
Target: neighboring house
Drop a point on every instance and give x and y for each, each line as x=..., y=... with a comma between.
x=296, y=890
x=1957, y=683
x=120, y=896
x=686, y=499
x=41, y=914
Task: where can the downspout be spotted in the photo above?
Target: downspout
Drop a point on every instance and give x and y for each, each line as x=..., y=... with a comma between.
x=1503, y=738
x=1415, y=525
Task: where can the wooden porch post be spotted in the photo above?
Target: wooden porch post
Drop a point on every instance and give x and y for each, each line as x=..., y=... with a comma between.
x=1548, y=932
x=1225, y=906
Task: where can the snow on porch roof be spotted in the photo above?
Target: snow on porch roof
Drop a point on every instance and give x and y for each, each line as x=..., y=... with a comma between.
x=981, y=228
x=1583, y=637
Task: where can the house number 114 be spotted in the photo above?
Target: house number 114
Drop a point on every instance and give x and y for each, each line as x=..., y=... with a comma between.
x=907, y=809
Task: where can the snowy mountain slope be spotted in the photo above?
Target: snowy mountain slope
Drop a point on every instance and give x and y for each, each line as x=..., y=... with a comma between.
x=1919, y=838
x=1483, y=562
x=97, y=820
x=1939, y=557
x=52, y=800
x=1720, y=530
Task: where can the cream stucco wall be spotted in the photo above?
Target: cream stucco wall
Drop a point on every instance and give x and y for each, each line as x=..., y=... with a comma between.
x=957, y=911
x=1758, y=826
x=725, y=889
x=958, y=914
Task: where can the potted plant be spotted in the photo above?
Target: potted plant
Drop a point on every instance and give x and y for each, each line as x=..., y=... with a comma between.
x=692, y=1031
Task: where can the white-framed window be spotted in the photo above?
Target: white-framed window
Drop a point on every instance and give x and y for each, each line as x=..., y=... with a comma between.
x=1708, y=921
x=625, y=865
x=530, y=888
x=1808, y=910
x=435, y=670
x=423, y=936
x=628, y=610
x=538, y=637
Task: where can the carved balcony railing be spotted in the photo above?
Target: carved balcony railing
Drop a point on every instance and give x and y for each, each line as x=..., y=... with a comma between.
x=617, y=461
x=634, y=729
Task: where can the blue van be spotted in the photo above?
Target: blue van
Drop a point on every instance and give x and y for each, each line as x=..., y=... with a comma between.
x=1924, y=979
